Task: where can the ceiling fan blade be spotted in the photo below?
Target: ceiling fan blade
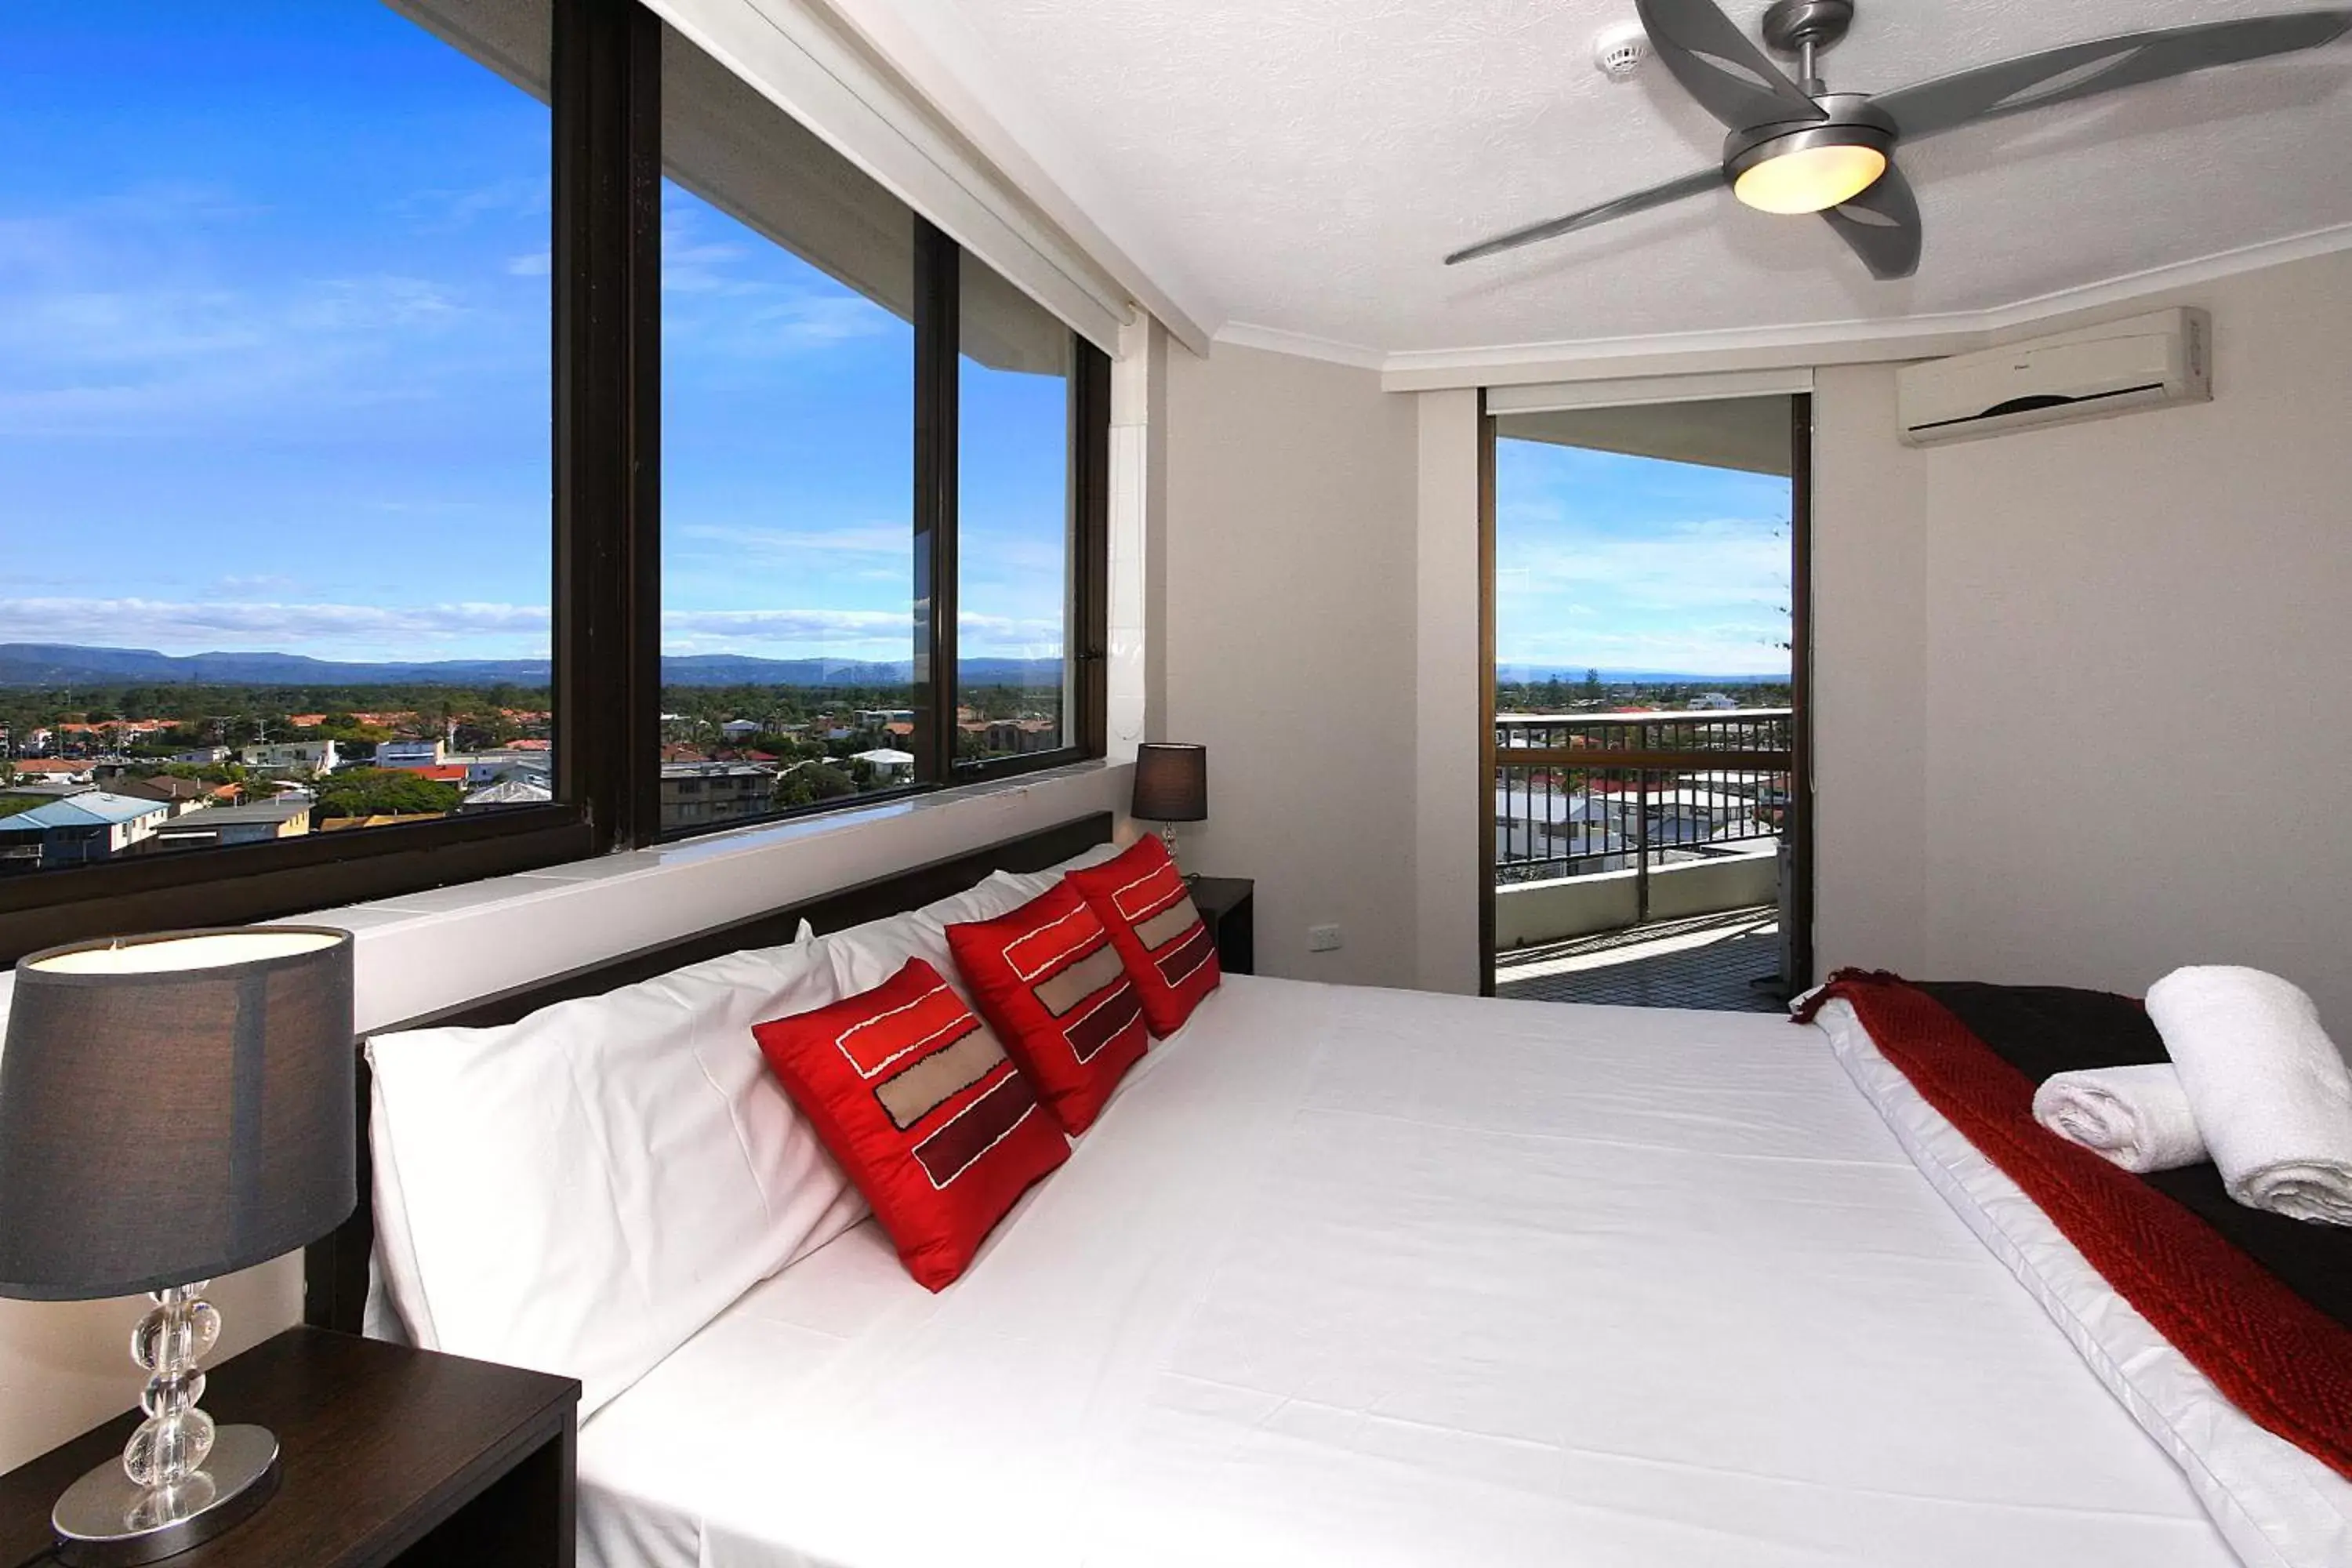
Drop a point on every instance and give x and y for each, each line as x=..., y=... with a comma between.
x=1640, y=201
x=2103, y=65
x=1882, y=225
x=1731, y=77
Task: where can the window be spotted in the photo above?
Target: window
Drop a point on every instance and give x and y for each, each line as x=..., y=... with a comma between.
x=274, y=417
x=788, y=480
x=1015, y=518
x=508, y=437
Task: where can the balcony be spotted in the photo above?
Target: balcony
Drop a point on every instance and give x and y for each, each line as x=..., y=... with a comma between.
x=1625, y=842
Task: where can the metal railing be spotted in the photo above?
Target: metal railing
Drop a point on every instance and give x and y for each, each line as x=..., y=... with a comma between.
x=1577, y=797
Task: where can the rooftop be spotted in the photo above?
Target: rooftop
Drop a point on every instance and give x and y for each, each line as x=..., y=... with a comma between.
x=223, y=815
x=92, y=808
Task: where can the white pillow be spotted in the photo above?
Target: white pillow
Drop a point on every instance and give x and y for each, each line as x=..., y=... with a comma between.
x=579, y=1192
x=1030, y=884
x=865, y=956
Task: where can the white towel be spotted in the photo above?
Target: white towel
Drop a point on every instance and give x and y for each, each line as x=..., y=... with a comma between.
x=2135, y=1116
x=2272, y=1094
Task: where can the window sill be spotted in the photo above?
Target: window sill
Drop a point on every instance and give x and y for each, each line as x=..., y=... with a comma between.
x=422, y=951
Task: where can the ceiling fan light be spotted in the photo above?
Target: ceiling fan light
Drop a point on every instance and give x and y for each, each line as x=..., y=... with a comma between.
x=1811, y=179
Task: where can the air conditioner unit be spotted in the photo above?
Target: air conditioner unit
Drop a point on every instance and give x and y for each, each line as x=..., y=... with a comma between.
x=2143, y=361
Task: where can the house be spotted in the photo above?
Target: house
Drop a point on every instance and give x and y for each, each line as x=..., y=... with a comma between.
x=51, y=770
x=182, y=795
x=203, y=756
x=39, y=788
x=79, y=830
x=514, y=761
x=525, y=790
x=291, y=756
x=887, y=762
x=741, y=729
x=223, y=827
x=410, y=753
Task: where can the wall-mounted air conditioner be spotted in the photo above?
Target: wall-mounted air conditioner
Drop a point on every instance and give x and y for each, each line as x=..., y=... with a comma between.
x=2142, y=361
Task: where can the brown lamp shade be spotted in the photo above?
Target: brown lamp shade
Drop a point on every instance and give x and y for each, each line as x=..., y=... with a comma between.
x=174, y=1108
x=1172, y=783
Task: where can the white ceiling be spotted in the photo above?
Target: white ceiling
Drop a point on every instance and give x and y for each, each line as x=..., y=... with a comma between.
x=1302, y=164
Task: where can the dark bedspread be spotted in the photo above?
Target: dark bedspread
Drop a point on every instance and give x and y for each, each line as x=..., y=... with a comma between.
x=2045, y=1029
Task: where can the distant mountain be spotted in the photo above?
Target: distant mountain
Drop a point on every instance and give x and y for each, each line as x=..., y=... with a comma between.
x=61, y=664
x=1521, y=672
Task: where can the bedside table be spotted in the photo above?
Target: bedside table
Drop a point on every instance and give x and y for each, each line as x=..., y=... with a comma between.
x=389, y=1455
x=1224, y=903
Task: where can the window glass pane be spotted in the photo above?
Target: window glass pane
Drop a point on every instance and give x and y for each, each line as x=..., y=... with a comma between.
x=274, y=518
x=1014, y=529
x=788, y=401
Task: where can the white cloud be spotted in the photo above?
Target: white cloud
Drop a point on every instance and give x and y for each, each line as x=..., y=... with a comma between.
x=459, y=630
x=531, y=264
x=479, y=629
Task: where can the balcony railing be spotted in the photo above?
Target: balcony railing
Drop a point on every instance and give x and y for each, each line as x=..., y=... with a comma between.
x=1583, y=795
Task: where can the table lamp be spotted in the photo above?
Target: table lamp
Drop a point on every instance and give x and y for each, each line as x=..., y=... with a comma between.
x=173, y=1108
x=1171, y=785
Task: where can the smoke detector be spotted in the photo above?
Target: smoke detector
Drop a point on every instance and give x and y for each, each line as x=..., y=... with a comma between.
x=1620, y=50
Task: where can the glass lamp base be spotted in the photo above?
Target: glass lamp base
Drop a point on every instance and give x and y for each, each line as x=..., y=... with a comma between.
x=107, y=1518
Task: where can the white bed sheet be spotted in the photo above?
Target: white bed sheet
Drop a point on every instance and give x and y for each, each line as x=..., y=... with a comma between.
x=1375, y=1277
x=2280, y=1506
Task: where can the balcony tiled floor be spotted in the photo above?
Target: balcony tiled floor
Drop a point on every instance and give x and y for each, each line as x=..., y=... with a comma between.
x=1706, y=961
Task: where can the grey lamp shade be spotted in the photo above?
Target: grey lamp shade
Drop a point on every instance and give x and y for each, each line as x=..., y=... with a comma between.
x=1172, y=783
x=174, y=1108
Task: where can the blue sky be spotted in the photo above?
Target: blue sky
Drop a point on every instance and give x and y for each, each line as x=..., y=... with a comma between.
x=274, y=369
x=1618, y=563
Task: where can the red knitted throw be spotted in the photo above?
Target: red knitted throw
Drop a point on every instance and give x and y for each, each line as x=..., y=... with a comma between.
x=2280, y=1360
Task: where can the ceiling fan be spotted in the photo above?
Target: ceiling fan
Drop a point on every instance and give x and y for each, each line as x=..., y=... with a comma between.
x=1796, y=147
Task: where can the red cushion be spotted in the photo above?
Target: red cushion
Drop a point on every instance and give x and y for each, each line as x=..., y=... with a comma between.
x=1057, y=992
x=1169, y=952
x=923, y=1110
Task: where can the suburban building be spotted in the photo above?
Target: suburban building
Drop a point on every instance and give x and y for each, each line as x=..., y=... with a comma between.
x=182, y=795
x=887, y=762
x=411, y=753
x=292, y=756
x=694, y=795
x=37, y=788
x=525, y=790
x=226, y=824
x=53, y=769
x=80, y=830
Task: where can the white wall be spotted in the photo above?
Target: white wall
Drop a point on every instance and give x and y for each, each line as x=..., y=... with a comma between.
x=2080, y=690
x=1449, y=735
x=2077, y=702
x=1869, y=609
x=65, y=1366
x=1290, y=568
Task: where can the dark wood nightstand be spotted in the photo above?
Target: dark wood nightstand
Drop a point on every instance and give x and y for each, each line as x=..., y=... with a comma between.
x=390, y=1455
x=1224, y=903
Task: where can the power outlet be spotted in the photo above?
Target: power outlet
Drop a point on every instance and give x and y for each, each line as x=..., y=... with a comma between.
x=1323, y=939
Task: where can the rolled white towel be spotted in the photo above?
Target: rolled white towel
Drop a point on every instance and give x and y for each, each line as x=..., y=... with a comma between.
x=2135, y=1116
x=2272, y=1094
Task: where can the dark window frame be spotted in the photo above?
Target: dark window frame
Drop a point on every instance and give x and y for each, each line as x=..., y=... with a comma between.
x=605, y=68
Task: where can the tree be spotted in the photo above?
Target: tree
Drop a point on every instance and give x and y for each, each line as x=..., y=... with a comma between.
x=386, y=791
x=1593, y=692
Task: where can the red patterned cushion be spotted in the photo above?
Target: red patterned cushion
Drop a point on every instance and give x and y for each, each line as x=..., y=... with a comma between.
x=1169, y=952
x=1047, y=978
x=919, y=1103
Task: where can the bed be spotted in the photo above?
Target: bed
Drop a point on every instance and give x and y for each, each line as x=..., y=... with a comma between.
x=1373, y=1278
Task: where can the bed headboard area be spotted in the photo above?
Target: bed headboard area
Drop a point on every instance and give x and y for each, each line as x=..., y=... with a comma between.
x=335, y=1270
